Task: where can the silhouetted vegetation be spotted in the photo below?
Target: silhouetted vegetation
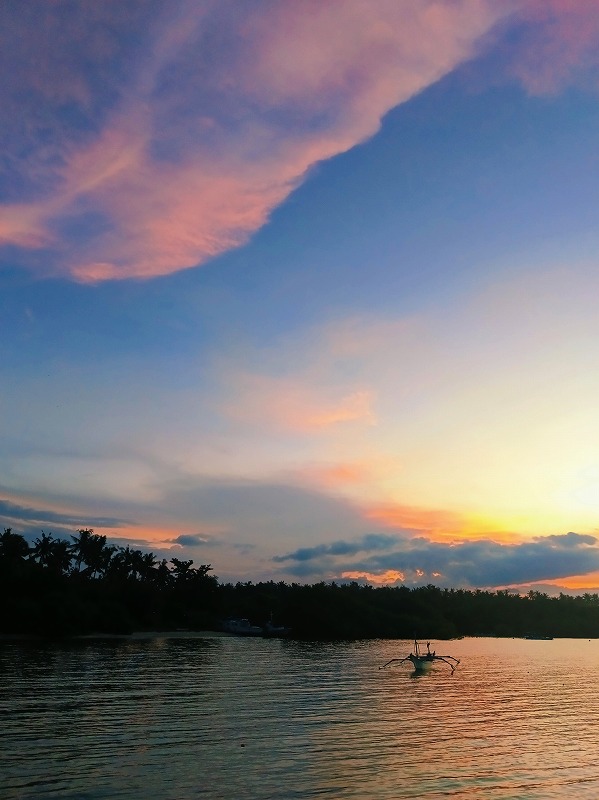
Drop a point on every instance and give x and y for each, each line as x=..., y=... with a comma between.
x=58, y=588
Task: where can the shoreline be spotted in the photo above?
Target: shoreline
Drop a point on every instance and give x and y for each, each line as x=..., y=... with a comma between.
x=135, y=635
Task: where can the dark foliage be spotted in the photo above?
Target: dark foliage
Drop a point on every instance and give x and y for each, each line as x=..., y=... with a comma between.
x=57, y=588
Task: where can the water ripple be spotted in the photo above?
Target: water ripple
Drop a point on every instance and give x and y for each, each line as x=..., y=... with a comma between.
x=220, y=717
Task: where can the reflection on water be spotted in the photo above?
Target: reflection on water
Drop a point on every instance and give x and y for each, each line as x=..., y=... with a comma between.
x=221, y=717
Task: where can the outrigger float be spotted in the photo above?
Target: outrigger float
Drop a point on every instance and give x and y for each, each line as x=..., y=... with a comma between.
x=423, y=661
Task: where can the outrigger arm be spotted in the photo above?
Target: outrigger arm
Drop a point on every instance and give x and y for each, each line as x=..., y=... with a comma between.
x=451, y=658
x=401, y=660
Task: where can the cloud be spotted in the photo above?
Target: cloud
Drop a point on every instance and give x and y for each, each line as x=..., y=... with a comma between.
x=555, y=43
x=290, y=404
x=391, y=576
x=13, y=513
x=557, y=588
x=143, y=139
x=249, y=522
x=86, y=452
x=419, y=560
x=369, y=543
x=567, y=540
x=30, y=521
x=190, y=540
x=259, y=511
x=486, y=463
x=396, y=515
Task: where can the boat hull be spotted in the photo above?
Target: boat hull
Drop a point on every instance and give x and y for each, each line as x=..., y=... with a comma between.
x=421, y=664
x=242, y=627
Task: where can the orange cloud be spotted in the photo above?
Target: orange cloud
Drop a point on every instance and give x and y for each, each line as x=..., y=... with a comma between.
x=157, y=537
x=431, y=521
x=590, y=582
x=439, y=524
x=186, y=157
x=378, y=579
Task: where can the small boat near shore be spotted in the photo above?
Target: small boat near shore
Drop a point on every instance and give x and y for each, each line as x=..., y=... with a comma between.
x=421, y=661
x=272, y=631
x=243, y=627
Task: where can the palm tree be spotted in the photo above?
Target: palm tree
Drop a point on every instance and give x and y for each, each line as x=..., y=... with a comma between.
x=59, y=558
x=121, y=563
x=137, y=564
x=105, y=559
x=80, y=546
x=42, y=549
x=182, y=570
x=163, y=576
x=96, y=556
x=147, y=564
x=90, y=549
x=12, y=545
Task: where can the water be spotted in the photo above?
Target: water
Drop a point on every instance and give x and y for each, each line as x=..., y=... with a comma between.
x=223, y=717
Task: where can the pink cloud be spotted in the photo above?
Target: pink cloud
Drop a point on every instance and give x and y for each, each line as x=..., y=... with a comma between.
x=193, y=124
x=339, y=476
x=363, y=477
x=294, y=405
x=21, y=225
x=558, y=44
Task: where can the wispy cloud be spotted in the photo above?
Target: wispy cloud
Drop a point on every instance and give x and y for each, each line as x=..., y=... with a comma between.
x=176, y=131
x=13, y=513
x=555, y=43
x=438, y=521
x=293, y=405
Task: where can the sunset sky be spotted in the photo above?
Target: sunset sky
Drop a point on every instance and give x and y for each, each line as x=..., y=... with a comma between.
x=305, y=290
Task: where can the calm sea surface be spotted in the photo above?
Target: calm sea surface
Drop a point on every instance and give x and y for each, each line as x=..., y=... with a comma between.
x=224, y=717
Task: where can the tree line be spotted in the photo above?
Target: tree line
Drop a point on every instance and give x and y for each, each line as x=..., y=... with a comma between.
x=54, y=587
x=57, y=587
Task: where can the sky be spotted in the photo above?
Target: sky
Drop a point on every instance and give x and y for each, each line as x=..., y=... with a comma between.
x=305, y=291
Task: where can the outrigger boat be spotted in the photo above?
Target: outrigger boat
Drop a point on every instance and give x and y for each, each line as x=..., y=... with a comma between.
x=423, y=661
